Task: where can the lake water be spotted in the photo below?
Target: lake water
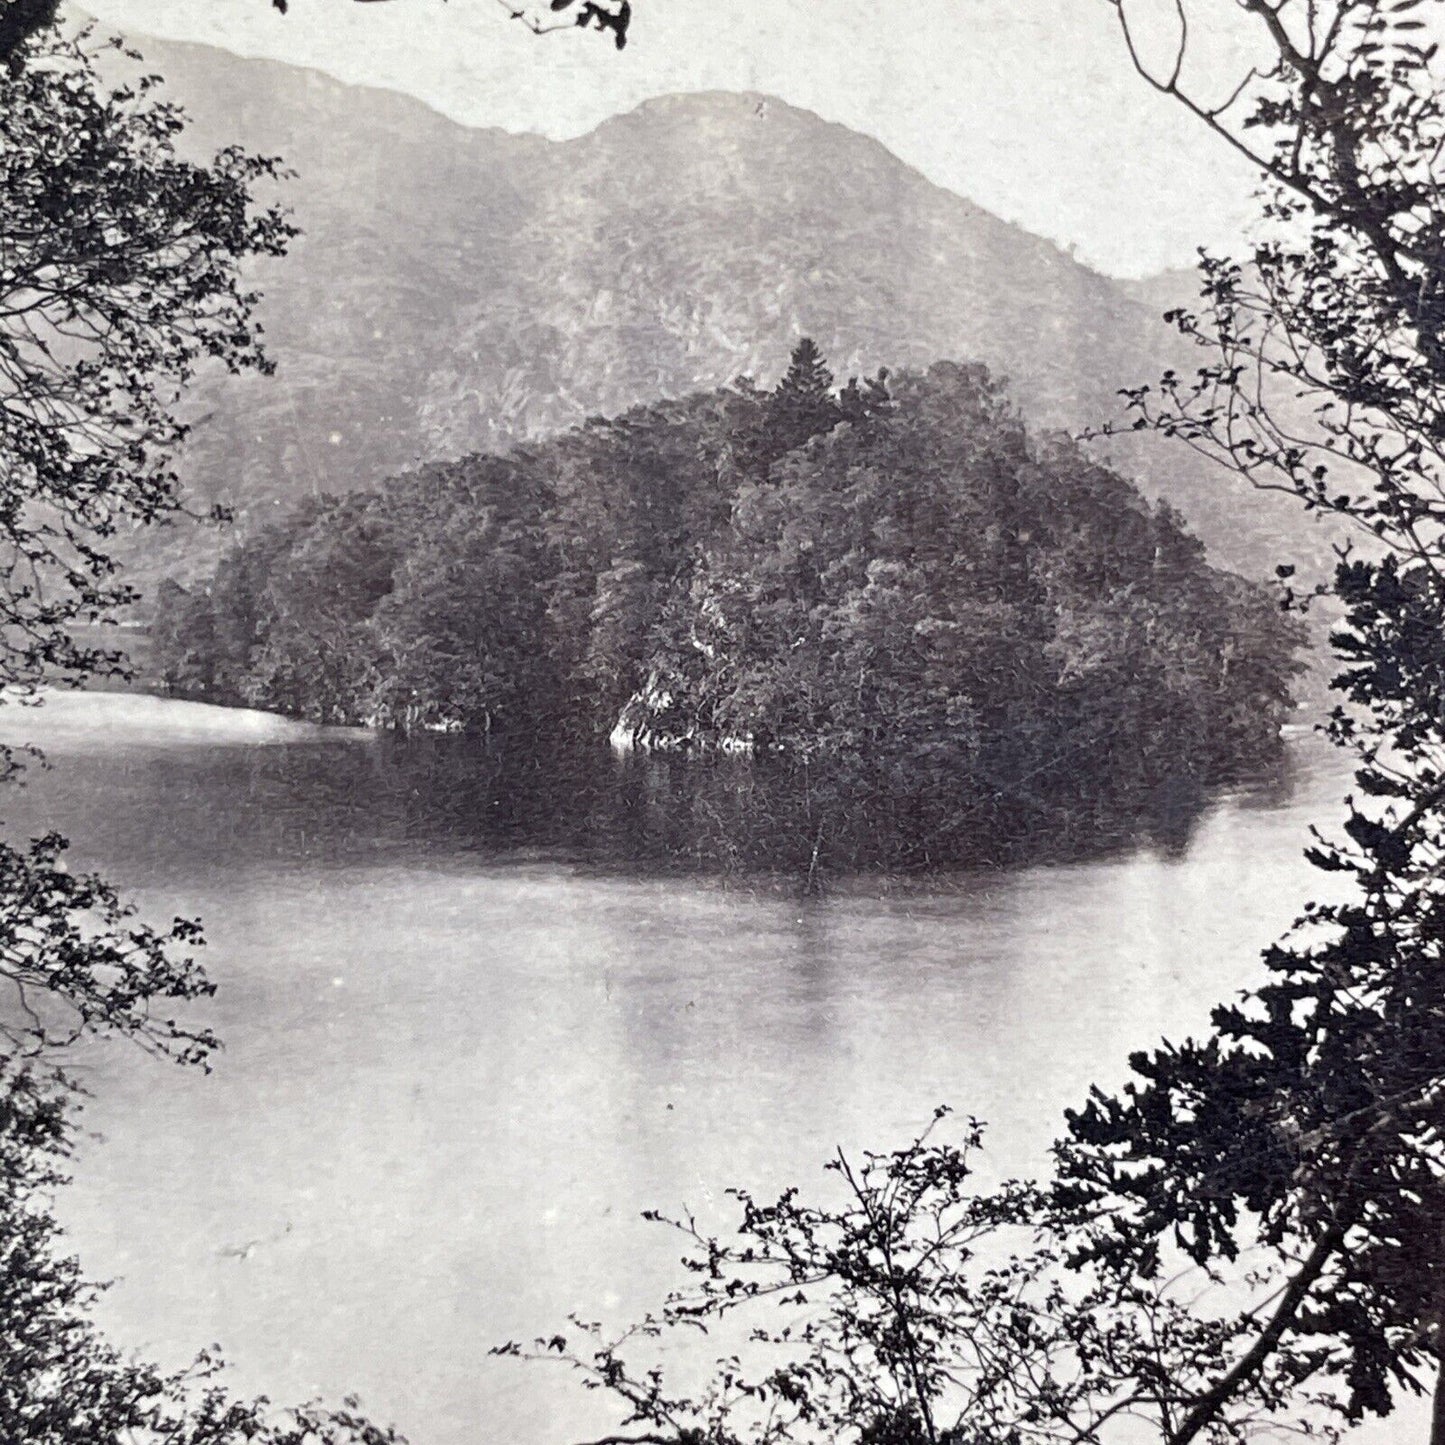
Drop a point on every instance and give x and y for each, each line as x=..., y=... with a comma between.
x=461, y=1059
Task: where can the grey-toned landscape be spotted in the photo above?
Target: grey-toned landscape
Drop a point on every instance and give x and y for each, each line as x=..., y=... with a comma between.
x=459, y=289
x=723, y=723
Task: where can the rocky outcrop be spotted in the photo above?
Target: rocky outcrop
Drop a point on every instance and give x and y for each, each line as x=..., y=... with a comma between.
x=652, y=721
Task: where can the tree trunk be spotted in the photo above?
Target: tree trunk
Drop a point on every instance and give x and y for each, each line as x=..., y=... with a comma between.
x=1437, y=1414
x=1206, y=1408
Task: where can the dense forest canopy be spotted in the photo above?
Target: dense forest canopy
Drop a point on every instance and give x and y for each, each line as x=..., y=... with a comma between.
x=894, y=568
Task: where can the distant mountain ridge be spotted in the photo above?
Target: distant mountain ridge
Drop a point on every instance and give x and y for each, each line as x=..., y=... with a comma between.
x=460, y=289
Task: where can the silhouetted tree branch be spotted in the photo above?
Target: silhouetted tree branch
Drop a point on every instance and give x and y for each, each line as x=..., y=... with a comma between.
x=613, y=17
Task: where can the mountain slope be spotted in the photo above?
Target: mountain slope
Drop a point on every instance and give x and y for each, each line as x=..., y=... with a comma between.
x=459, y=289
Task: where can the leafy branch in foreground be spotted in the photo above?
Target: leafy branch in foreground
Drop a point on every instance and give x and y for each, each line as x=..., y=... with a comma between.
x=909, y=1310
x=119, y=276
x=76, y=961
x=612, y=17
x=61, y=1381
x=1310, y=1121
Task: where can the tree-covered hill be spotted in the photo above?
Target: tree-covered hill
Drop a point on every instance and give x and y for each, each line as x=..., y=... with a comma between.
x=895, y=571
x=463, y=289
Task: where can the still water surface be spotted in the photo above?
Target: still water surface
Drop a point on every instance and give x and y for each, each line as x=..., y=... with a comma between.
x=459, y=1064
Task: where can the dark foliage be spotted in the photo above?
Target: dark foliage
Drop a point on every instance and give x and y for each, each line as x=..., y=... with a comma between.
x=77, y=962
x=61, y=1381
x=902, y=1305
x=611, y=17
x=1308, y=1123
x=120, y=276
x=894, y=572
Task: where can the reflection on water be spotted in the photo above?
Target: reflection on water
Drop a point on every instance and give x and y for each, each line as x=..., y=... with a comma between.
x=258, y=787
x=471, y=1035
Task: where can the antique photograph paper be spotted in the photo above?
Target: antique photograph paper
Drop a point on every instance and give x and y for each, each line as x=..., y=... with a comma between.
x=722, y=722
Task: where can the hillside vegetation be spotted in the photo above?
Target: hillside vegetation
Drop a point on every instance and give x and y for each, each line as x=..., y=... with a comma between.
x=459, y=290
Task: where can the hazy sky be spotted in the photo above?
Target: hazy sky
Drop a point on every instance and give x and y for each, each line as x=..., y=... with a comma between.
x=1027, y=106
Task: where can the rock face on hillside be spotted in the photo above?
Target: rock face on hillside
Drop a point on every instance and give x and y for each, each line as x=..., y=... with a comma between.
x=460, y=289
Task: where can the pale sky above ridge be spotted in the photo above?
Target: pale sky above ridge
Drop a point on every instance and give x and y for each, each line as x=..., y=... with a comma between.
x=1028, y=107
